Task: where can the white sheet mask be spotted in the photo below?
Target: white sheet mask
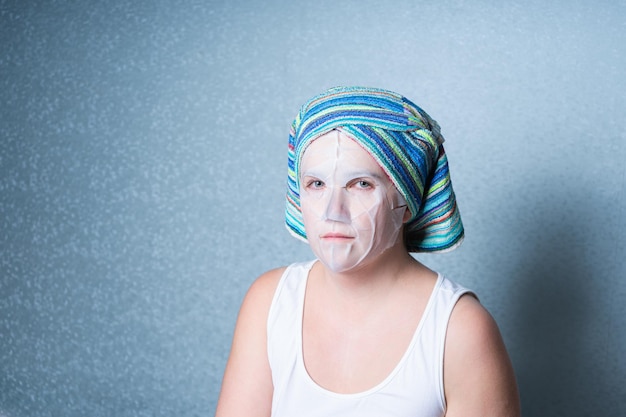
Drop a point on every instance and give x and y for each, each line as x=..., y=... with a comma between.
x=351, y=209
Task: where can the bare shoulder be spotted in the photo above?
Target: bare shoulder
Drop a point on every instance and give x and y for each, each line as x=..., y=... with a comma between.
x=478, y=375
x=261, y=292
x=256, y=304
x=247, y=384
x=271, y=277
x=471, y=325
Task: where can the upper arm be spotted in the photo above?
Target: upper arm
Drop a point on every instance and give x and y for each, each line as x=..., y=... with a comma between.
x=247, y=384
x=478, y=375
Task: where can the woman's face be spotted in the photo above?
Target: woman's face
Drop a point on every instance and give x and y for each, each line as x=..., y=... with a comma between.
x=352, y=212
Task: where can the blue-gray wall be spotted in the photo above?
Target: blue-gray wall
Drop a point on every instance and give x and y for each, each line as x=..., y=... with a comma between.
x=142, y=171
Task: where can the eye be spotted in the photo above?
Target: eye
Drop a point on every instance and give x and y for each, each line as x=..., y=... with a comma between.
x=361, y=184
x=314, y=184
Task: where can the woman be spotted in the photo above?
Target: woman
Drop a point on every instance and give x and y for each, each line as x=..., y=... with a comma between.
x=365, y=329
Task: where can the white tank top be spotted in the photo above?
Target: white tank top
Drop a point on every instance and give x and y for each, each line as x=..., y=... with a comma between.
x=413, y=388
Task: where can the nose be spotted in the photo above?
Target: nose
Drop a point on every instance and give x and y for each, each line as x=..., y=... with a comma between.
x=336, y=207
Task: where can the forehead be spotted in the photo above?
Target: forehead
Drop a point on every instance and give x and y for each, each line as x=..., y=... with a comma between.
x=336, y=146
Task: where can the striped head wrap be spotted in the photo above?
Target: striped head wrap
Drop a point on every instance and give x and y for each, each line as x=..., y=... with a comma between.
x=405, y=142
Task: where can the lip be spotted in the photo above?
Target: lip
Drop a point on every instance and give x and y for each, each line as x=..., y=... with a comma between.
x=336, y=236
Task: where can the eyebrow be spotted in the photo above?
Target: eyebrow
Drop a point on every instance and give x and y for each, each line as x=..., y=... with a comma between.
x=351, y=174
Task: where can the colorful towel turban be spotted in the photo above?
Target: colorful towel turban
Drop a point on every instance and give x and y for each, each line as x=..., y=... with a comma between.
x=406, y=143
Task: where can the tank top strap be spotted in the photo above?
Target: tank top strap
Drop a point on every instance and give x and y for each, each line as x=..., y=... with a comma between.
x=284, y=320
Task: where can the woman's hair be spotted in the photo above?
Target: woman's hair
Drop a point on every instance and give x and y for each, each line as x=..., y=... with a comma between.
x=407, y=144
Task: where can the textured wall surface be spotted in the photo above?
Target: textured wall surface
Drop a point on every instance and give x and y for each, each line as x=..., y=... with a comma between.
x=142, y=174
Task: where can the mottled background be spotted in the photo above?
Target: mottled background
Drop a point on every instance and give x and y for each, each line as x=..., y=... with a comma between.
x=143, y=167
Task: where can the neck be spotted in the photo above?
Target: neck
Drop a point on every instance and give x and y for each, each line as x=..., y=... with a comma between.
x=372, y=278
